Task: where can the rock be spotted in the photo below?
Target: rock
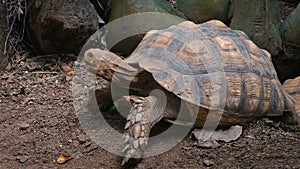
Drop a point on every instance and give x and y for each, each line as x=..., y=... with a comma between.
x=287, y=62
x=66, y=68
x=122, y=8
x=204, y=10
x=81, y=139
x=61, y=26
x=260, y=20
x=208, y=144
x=24, y=126
x=208, y=163
x=124, y=36
x=291, y=27
x=3, y=57
x=231, y=134
x=23, y=159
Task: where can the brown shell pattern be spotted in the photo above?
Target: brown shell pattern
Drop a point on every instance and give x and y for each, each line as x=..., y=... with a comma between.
x=213, y=66
x=292, y=86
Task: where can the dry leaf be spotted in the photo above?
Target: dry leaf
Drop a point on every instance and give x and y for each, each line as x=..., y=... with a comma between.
x=63, y=159
x=66, y=68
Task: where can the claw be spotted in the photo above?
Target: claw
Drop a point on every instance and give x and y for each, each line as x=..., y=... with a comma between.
x=139, y=101
x=129, y=116
x=127, y=125
x=139, y=109
x=132, y=120
x=126, y=148
x=126, y=138
x=125, y=160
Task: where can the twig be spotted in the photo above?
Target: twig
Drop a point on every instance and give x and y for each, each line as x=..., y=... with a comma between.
x=14, y=10
x=41, y=72
x=2, y=96
x=53, y=77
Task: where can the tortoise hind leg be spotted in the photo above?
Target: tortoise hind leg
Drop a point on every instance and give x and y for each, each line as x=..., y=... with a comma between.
x=144, y=114
x=289, y=117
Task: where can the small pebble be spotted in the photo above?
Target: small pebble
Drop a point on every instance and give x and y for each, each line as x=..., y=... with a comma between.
x=251, y=137
x=187, y=147
x=66, y=68
x=87, y=144
x=23, y=159
x=208, y=163
x=24, y=126
x=81, y=139
x=268, y=121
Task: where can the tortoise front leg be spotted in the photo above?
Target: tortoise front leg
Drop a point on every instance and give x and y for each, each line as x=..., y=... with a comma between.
x=144, y=114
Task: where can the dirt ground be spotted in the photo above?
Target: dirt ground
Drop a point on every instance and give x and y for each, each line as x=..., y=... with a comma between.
x=38, y=124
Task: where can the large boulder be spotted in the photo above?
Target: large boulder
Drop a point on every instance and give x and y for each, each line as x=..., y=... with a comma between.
x=260, y=20
x=204, y=10
x=291, y=27
x=140, y=22
x=287, y=61
x=122, y=8
x=61, y=26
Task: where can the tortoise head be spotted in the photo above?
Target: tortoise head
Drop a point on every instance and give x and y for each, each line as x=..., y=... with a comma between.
x=108, y=65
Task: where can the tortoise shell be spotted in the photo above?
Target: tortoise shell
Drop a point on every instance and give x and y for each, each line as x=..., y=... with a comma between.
x=213, y=66
x=292, y=86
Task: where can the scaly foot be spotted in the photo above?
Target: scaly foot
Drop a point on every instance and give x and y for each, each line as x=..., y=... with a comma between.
x=137, y=130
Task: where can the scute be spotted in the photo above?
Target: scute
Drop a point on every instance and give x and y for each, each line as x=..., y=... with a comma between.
x=213, y=66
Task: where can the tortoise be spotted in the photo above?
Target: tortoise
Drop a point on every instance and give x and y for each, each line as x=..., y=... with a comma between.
x=292, y=86
x=191, y=63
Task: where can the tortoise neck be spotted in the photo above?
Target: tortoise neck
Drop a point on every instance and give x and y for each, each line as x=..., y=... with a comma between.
x=121, y=74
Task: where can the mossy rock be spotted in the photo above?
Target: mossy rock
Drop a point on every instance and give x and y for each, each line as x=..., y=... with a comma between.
x=135, y=18
x=260, y=20
x=291, y=26
x=122, y=8
x=204, y=10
